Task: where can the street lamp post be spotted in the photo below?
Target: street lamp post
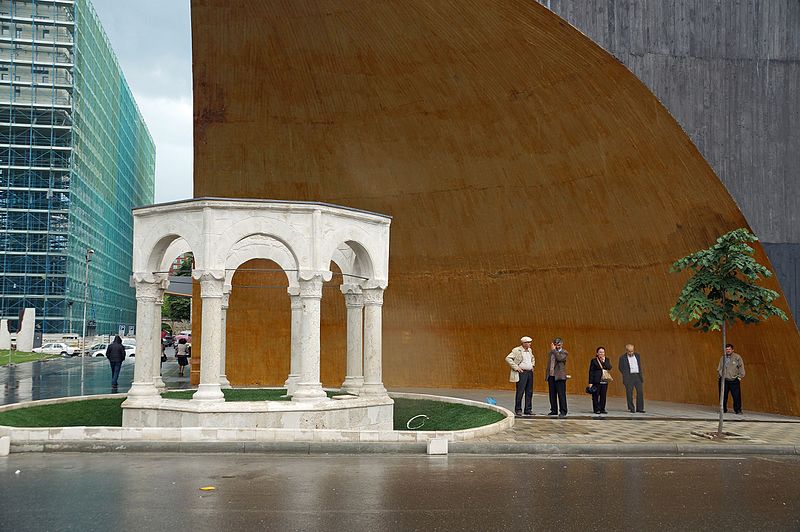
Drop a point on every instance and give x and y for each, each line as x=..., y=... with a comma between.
x=89, y=253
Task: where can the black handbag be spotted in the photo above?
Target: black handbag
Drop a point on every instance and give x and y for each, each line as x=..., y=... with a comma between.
x=591, y=389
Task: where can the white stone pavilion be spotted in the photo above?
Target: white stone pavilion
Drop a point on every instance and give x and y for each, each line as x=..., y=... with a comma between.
x=303, y=238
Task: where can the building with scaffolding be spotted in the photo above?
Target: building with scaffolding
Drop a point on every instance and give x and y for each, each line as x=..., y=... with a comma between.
x=75, y=158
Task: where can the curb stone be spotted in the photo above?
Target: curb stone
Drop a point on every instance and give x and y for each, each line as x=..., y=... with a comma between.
x=484, y=448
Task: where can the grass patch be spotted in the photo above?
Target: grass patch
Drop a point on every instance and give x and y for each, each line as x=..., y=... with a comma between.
x=108, y=412
x=442, y=416
x=89, y=413
x=18, y=357
x=236, y=394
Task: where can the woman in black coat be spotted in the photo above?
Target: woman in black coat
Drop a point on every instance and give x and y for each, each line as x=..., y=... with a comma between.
x=115, y=353
x=596, y=367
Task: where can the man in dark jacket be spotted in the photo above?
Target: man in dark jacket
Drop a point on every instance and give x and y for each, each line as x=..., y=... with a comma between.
x=115, y=353
x=556, y=376
x=630, y=365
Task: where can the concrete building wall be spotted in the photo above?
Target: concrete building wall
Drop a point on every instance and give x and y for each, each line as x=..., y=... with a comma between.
x=729, y=72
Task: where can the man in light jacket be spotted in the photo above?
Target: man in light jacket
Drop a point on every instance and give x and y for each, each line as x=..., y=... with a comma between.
x=522, y=361
x=731, y=371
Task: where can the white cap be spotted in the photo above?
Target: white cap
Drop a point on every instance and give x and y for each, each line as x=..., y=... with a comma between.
x=526, y=339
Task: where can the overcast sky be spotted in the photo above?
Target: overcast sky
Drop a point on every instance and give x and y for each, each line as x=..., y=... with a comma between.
x=152, y=40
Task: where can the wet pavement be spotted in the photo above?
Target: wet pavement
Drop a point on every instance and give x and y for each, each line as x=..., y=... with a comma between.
x=61, y=377
x=392, y=492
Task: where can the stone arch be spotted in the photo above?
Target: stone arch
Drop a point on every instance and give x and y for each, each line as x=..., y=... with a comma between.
x=261, y=246
x=269, y=226
x=351, y=252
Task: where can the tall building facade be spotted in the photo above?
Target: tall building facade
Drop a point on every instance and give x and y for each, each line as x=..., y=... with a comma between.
x=75, y=157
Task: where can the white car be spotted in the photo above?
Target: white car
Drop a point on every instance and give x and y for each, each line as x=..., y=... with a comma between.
x=55, y=349
x=99, y=350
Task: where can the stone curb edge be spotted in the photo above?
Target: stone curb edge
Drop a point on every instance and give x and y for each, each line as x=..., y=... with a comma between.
x=472, y=448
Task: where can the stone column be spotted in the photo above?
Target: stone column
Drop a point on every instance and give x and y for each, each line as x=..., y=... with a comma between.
x=297, y=322
x=373, y=338
x=148, y=291
x=158, y=382
x=223, y=377
x=309, y=387
x=354, y=301
x=211, y=285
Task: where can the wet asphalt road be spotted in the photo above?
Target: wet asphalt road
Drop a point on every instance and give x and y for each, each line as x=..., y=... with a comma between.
x=389, y=492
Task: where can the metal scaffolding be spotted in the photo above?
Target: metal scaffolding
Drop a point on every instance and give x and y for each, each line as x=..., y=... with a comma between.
x=75, y=157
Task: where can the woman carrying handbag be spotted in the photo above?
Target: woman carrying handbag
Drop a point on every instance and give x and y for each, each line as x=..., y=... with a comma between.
x=599, y=376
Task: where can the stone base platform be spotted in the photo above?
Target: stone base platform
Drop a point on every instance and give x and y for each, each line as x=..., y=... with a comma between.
x=341, y=412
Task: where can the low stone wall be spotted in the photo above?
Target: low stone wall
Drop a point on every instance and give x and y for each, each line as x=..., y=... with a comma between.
x=25, y=439
x=351, y=413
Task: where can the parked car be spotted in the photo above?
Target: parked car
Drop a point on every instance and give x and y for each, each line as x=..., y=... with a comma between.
x=55, y=349
x=99, y=350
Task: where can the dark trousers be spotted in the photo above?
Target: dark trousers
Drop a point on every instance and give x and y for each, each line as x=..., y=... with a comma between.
x=599, y=398
x=558, y=395
x=735, y=389
x=524, y=386
x=634, y=381
x=115, y=367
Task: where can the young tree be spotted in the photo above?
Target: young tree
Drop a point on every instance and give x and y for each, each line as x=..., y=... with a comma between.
x=723, y=289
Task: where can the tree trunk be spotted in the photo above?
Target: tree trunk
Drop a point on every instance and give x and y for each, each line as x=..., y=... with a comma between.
x=722, y=380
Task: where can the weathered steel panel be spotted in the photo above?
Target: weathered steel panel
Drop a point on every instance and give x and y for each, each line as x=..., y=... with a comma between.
x=537, y=187
x=729, y=72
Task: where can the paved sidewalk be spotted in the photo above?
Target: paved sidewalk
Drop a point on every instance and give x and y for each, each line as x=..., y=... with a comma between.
x=664, y=428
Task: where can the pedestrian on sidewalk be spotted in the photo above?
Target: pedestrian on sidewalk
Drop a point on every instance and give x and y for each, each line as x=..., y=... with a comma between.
x=115, y=353
x=556, y=376
x=522, y=361
x=182, y=354
x=596, y=367
x=630, y=365
x=730, y=372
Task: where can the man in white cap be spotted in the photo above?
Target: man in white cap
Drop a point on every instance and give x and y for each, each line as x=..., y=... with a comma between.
x=522, y=361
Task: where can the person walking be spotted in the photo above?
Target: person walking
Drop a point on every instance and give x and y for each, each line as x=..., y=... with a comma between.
x=630, y=365
x=182, y=354
x=522, y=361
x=596, y=367
x=115, y=353
x=556, y=376
x=730, y=372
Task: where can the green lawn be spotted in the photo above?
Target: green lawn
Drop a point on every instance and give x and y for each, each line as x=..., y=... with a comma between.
x=90, y=413
x=108, y=413
x=236, y=394
x=18, y=357
x=441, y=416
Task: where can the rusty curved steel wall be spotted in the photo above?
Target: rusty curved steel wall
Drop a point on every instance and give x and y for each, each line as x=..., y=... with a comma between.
x=537, y=187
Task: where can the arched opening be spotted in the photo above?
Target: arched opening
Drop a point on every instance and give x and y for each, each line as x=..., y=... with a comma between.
x=333, y=331
x=258, y=331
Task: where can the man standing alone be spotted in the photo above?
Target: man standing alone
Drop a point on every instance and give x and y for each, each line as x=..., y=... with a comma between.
x=556, y=376
x=731, y=371
x=115, y=353
x=522, y=362
x=630, y=365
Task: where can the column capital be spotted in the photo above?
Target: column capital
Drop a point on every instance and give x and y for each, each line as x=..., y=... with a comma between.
x=311, y=288
x=354, y=300
x=373, y=297
x=148, y=287
x=212, y=282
